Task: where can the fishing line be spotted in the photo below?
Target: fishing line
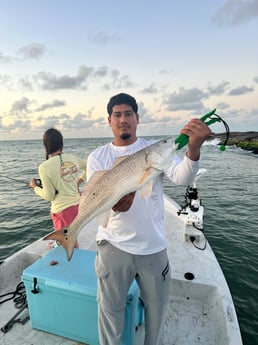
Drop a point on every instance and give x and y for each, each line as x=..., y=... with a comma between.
x=14, y=179
x=38, y=181
x=223, y=146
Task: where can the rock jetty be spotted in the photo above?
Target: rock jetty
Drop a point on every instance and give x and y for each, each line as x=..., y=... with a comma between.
x=245, y=140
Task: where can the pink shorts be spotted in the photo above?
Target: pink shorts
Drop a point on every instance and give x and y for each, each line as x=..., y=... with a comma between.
x=62, y=219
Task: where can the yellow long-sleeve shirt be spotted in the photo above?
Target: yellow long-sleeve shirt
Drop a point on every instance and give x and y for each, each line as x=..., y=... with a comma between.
x=59, y=177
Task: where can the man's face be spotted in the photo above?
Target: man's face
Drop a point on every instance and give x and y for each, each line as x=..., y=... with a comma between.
x=123, y=122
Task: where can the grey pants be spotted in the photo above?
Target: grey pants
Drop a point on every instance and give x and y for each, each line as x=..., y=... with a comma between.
x=116, y=270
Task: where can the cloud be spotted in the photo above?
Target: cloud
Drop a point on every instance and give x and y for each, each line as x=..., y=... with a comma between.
x=222, y=106
x=44, y=80
x=256, y=80
x=142, y=111
x=32, y=51
x=185, y=99
x=103, y=38
x=48, y=81
x=66, y=122
x=165, y=119
x=218, y=89
x=20, y=106
x=151, y=89
x=5, y=58
x=6, y=81
x=85, y=75
x=82, y=121
x=237, y=12
x=53, y=104
x=118, y=81
x=48, y=121
x=25, y=83
x=147, y=118
x=240, y=90
x=100, y=72
x=18, y=125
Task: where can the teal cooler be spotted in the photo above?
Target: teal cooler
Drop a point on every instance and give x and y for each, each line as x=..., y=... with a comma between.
x=62, y=297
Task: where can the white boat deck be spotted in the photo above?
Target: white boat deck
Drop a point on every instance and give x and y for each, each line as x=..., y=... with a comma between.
x=200, y=311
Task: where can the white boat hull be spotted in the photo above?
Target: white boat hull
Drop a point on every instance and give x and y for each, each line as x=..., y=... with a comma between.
x=200, y=311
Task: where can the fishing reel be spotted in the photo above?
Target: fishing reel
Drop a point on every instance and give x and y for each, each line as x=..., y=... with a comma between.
x=208, y=119
x=193, y=212
x=192, y=201
x=38, y=182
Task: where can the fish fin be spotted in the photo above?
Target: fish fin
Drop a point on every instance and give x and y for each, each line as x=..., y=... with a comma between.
x=64, y=238
x=103, y=219
x=146, y=190
x=145, y=176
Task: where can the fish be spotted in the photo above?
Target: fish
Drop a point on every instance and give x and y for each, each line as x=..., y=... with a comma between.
x=104, y=189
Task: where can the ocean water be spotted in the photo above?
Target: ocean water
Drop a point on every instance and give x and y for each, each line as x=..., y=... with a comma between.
x=229, y=191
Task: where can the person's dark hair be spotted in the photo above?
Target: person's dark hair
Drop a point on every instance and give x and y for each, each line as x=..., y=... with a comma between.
x=53, y=141
x=122, y=98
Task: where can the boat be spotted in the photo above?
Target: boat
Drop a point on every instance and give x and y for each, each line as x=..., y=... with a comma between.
x=200, y=309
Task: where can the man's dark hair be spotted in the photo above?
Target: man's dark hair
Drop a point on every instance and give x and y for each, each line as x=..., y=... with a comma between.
x=53, y=141
x=122, y=98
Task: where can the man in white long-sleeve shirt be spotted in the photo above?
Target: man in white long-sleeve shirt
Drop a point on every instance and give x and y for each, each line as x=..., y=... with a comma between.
x=133, y=244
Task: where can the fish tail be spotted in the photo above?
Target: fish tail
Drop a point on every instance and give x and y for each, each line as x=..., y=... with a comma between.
x=65, y=239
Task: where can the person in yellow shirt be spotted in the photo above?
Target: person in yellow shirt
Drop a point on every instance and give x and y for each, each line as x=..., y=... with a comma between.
x=59, y=180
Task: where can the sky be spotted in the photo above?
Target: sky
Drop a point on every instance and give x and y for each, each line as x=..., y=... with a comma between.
x=61, y=61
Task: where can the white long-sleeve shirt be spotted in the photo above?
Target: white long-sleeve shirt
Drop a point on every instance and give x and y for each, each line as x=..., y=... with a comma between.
x=140, y=230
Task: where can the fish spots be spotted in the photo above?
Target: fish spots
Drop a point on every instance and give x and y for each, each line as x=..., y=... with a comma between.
x=66, y=233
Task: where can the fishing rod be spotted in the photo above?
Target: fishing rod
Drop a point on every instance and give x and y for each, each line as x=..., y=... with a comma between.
x=38, y=181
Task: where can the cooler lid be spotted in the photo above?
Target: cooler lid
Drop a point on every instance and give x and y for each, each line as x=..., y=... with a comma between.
x=78, y=274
